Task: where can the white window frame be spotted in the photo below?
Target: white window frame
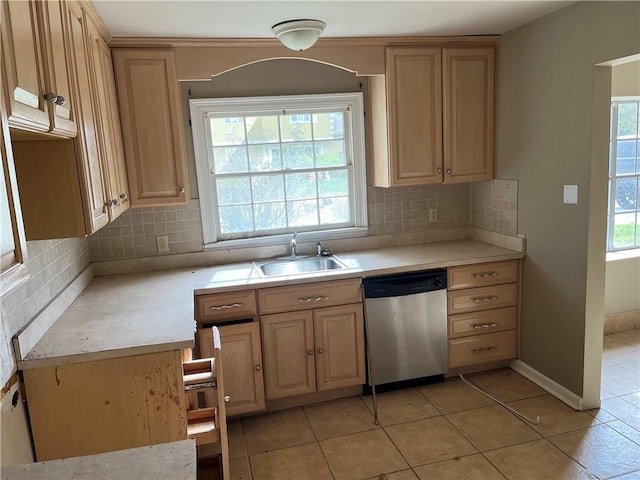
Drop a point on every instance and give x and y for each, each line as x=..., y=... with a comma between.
x=353, y=103
x=613, y=175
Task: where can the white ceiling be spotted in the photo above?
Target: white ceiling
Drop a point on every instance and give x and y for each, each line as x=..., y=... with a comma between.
x=350, y=18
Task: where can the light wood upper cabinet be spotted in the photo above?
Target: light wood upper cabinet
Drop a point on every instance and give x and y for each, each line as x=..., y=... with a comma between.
x=152, y=126
x=35, y=51
x=468, y=114
x=432, y=116
x=116, y=185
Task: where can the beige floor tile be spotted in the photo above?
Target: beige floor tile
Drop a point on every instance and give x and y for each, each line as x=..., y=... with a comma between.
x=602, y=450
x=303, y=462
x=401, y=406
x=339, y=417
x=428, y=440
x=492, y=427
x=555, y=416
x=633, y=399
x=277, y=430
x=362, y=455
x=534, y=461
x=237, y=445
x=630, y=476
x=401, y=475
x=454, y=396
x=629, y=432
x=472, y=467
x=506, y=385
x=623, y=410
x=239, y=469
x=601, y=415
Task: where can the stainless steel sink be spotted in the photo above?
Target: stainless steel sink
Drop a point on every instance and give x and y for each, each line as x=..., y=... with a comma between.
x=296, y=266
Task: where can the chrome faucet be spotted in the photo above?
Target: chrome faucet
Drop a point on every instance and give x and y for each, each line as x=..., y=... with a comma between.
x=293, y=245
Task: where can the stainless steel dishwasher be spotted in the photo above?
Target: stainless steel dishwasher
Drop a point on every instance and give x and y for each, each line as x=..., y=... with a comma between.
x=406, y=320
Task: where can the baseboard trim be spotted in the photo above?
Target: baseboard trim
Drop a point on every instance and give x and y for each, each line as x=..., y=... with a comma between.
x=544, y=382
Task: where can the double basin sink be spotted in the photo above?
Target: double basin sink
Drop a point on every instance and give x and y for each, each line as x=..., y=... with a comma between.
x=297, y=265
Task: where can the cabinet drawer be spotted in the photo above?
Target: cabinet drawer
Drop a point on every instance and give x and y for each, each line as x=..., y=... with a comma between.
x=225, y=306
x=482, y=348
x=484, y=298
x=480, y=323
x=482, y=274
x=313, y=295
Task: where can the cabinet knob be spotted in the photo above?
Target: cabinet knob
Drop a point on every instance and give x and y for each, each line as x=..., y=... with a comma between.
x=309, y=352
x=448, y=171
x=112, y=203
x=439, y=169
x=182, y=189
x=123, y=196
x=258, y=368
x=320, y=350
x=227, y=398
x=53, y=98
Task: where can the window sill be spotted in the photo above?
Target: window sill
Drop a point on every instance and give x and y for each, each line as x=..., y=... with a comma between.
x=284, y=239
x=623, y=255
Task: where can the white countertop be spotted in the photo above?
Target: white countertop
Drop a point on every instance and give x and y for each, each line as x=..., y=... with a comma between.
x=175, y=460
x=134, y=314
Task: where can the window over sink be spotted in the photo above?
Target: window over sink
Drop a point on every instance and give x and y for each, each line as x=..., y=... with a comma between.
x=269, y=166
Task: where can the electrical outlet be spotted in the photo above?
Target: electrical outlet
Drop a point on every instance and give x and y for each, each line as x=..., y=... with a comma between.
x=433, y=214
x=163, y=244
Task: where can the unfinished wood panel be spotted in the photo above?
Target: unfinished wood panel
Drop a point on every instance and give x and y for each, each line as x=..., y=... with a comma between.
x=289, y=362
x=339, y=343
x=482, y=274
x=483, y=298
x=105, y=405
x=152, y=126
x=468, y=112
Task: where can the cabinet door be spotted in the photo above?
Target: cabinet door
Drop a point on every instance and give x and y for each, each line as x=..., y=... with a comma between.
x=339, y=335
x=57, y=74
x=469, y=108
x=87, y=142
x=26, y=107
x=242, y=363
x=151, y=126
x=287, y=340
x=415, y=115
x=116, y=188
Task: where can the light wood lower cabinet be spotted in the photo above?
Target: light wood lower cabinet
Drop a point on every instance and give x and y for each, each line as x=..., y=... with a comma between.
x=104, y=405
x=313, y=350
x=242, y=359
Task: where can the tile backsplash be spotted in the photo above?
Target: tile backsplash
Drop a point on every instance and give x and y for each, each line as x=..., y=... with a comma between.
x=494, y=206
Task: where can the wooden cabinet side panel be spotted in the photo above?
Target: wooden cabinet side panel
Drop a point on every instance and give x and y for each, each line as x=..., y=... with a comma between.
x=152, y=128
x=414, y=81
x=105, y=405
x=339, y=337
x=24, y=69
x=469, y=106
x=288, y=345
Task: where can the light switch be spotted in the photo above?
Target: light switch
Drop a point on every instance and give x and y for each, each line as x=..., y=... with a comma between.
x=570, y=194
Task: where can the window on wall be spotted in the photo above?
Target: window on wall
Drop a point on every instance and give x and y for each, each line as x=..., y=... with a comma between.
x=270, y=166
x=624, y=175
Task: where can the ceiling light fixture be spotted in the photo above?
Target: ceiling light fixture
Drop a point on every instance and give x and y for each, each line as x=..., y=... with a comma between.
x=298, y=34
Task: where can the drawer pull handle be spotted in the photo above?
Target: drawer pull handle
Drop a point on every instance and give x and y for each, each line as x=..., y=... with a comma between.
x=485, y=275
x=484, y=325
x=485, y=299
x=483, y=350
x=225, y=307
x=312, y=299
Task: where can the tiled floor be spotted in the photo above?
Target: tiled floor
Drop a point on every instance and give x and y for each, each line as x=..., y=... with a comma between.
x=450, y=431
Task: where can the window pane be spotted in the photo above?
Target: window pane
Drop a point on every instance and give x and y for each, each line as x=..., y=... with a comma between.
x=233, y=191
x=263, y=129
x=333, y=183
x=627, y=119
x=626, y=153
x=302, y=213
x=626, y=194
x=293, y=131
x=229, y=159
x=334, y=210
x=227, y=131
x=270, y=216
x=301, y=185
x=236, y=219
x=330, y=153
x=297, y=155
x=267, y=188
x=623, y=230
x=265, y=158
x=328, y=126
